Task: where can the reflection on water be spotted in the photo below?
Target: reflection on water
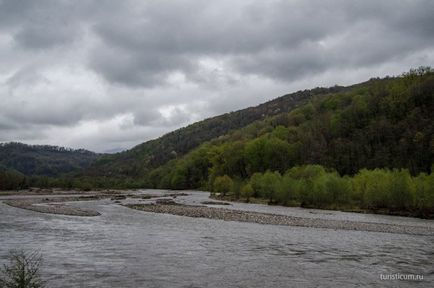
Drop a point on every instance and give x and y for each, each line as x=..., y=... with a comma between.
x=128, y=248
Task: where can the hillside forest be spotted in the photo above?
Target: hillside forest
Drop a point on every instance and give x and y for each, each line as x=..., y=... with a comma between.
x=365, y=147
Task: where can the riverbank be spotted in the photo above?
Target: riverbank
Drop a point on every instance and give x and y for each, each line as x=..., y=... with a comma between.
x=52, y=201
x=53, y=205
x=275, y=219
x=342, y=208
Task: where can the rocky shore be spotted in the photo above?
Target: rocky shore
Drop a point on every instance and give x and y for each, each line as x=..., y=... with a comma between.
x=53, y=205
x=275, y=219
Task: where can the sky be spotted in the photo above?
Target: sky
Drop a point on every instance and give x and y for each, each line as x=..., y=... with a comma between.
x=108, y=75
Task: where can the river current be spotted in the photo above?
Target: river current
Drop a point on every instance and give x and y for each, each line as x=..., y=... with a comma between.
x=127, y=248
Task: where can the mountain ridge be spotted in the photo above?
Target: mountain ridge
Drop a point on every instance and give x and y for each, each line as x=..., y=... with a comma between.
x=44, y=160
x=155, y=152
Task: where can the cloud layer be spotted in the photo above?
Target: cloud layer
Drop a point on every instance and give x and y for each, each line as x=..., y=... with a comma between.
x=106, y=75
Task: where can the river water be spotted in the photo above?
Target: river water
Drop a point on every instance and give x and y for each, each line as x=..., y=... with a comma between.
x=130, y=248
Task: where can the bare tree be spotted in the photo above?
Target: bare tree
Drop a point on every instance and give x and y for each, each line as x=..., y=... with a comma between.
x=22, y=271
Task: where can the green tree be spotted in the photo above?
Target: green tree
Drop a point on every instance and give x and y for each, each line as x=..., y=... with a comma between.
x=401, y=190
x=278, y=155
x=286, y=190
x=247, y=191
x=254, y=155
x=269, y=184
x=338, y=189
x=223, y=184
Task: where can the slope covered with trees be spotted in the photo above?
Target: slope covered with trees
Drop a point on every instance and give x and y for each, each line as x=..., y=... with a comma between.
x=356, y=135
x=384, y=123
x=138, y=161
x=43, y=160
x=367, y=146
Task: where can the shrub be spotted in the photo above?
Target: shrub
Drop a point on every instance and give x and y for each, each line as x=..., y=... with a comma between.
x=22, y=271
x=373, y=185
x=401, y=190
x=247, y=191
x=286, y=190
x=338, y=189
x=223, y=184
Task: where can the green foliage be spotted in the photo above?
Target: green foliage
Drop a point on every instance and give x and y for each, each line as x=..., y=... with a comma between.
x=338, y=189
x=424, y=194
x=223, y=184
x=44, y=160
x=401, y=189
x=269, y=185
x=247, y=191
x=254, y=153
x=286, y=190
x=12, y=180
x=373, y=186
x=378, y=190
x=22, y=271
x=142, y=159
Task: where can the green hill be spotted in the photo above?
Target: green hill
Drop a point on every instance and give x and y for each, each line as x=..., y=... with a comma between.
x=382, y=123
x=43, y=160
x=141, y=159
x=370, y=146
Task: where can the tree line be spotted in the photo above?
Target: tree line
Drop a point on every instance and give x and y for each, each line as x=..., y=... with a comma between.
x=388, y=191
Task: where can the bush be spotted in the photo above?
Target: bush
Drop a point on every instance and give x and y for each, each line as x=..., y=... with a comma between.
x=373, y=186
x=223, y=184
x=313, y=186
x=338, y=189
x=22, y=271
x=247, y=191
x=401, y=190
x=255, y=182
x=269, y=185
x=286, y=190
x=424, y=194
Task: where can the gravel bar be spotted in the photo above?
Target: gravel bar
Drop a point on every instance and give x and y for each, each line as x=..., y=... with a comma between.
x=274, y=219
x=52, y=206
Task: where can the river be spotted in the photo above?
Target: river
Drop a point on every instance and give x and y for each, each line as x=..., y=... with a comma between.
x=127, y=248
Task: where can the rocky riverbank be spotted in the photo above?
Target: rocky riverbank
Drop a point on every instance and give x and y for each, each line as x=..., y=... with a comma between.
x=275, y=219
x=53, y=205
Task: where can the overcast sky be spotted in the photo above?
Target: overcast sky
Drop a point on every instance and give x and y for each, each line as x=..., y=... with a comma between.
x=107, y=75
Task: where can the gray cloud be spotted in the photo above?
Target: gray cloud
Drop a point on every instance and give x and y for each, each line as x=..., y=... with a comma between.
x=107, y=75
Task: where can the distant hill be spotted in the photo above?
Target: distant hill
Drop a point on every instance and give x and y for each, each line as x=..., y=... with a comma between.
x=151, y=154
x=43, y=160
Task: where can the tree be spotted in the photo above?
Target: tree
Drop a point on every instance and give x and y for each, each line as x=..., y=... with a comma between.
x=401, y=190
x=269, y=183
x=223, y=184
x=254, y=155
x=278, y=155
x=373, y=185
x=22, y=271
x=286, y=190
x=255, y=182
x=247, y=192
x=338, y=189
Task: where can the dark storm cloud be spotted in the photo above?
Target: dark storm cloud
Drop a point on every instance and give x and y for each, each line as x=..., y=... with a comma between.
x=114, y=73
x=43, y=24
x=276, y=39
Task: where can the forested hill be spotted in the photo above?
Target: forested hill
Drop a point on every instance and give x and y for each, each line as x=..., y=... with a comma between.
x=139, y=160
x=383, y=123
x=43, y=160
x=369, y=146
